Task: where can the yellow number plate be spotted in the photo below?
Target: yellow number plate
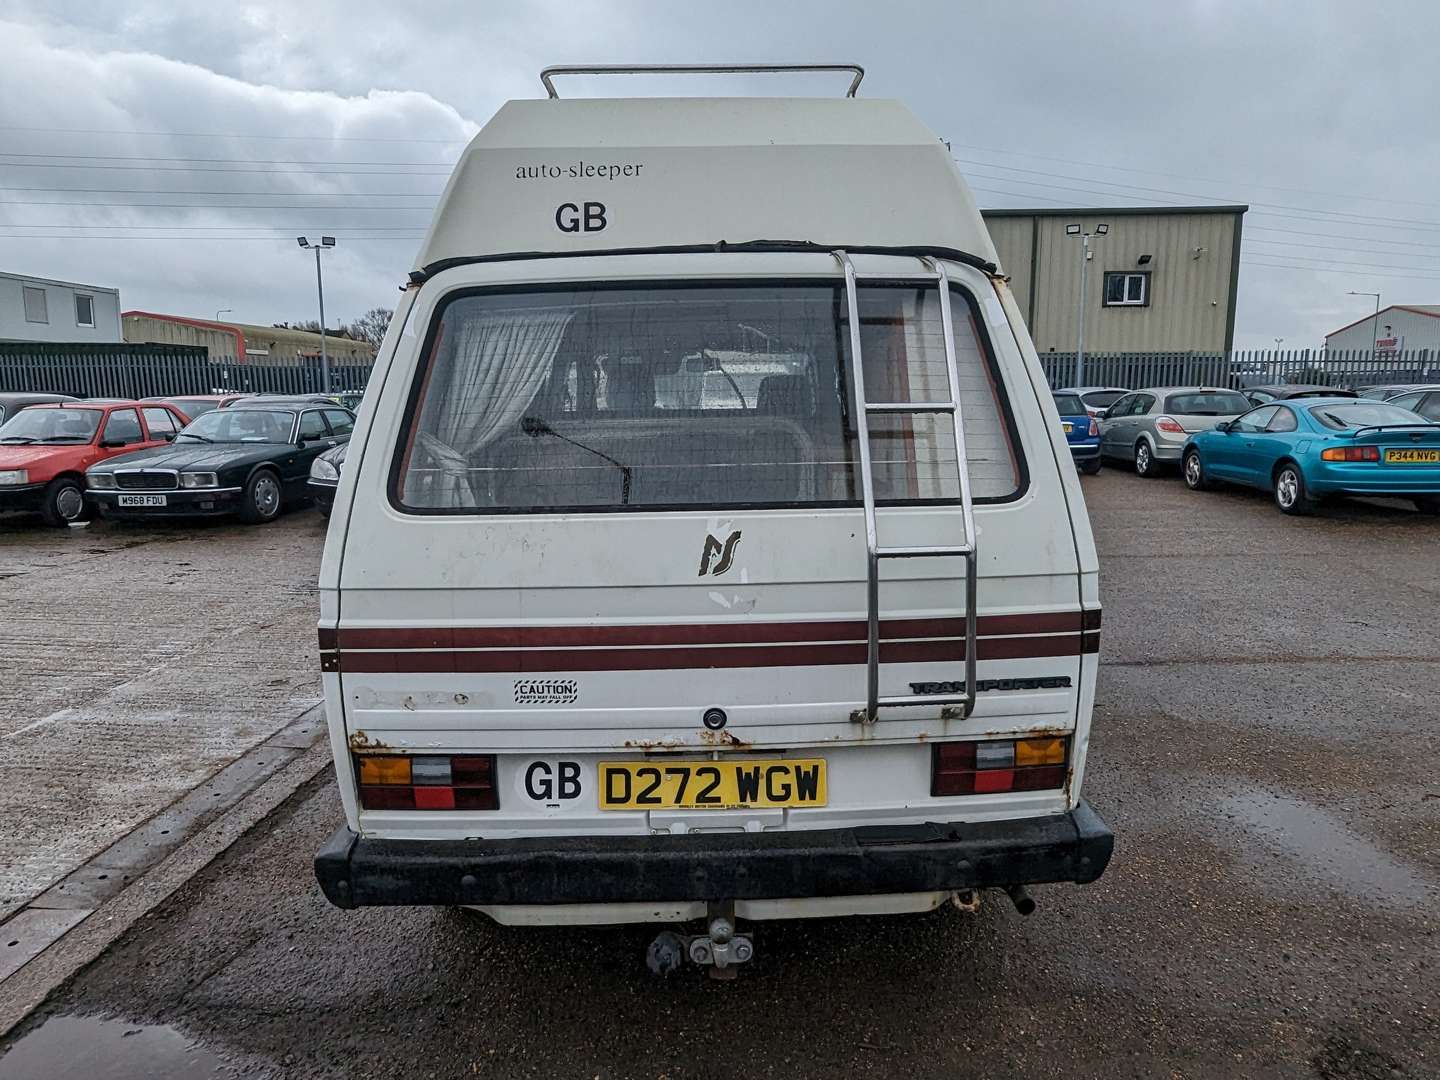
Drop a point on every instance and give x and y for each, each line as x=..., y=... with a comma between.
x=711, y=785
x=1412, y=457
x=1066, y=425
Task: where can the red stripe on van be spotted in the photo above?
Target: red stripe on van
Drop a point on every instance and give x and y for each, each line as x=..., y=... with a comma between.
x=738, y=656
x=559, y=637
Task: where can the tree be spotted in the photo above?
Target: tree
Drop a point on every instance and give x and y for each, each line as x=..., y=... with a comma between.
x=371, y=326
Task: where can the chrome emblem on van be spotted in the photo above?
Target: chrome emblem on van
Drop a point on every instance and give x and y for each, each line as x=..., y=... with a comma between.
x=546, y=691
x=726, y=551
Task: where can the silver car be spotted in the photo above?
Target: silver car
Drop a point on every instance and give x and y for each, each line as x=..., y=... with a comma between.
x=1149, y=427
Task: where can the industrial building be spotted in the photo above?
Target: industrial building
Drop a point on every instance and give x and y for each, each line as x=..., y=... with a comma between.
x=1160, y=279
x=1399, y=328
x=40, y=309
x=258, y=344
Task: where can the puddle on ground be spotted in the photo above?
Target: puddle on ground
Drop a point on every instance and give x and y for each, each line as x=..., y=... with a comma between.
x=1322, y=847
x=94, y=1049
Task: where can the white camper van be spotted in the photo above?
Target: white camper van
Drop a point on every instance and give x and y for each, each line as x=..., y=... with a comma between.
x=708, y=547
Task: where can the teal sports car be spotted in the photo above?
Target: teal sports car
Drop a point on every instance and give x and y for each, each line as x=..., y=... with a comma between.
x=1310, y=449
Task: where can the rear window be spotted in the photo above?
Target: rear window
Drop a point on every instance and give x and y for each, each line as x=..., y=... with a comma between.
x=1208, y=403
x=1069, y=405
x=1103, y=399
x=701, y=395
x=193, y=407
x=1362, y=413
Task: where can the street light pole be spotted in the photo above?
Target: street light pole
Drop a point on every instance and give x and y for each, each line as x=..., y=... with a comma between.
x=223, y=311
x=1076, y=230
x=325, y=242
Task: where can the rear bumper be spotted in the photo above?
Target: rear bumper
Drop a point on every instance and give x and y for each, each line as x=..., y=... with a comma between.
x=354, y=871
x=1085, y=451
x=1394, y=481
x=1164, y=450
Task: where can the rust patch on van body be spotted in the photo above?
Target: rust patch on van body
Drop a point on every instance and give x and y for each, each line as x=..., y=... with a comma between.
x=723, y=738
x=362, y=743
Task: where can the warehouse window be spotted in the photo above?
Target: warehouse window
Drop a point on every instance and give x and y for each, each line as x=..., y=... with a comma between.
x=84, y=310
x=35, y=310
x=1127, y=289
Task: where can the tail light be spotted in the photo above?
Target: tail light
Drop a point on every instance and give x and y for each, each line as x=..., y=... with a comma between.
x=1094, y=428
x=1351, y=453
x=996, y=765
x=427, y=782
x=1169, y=425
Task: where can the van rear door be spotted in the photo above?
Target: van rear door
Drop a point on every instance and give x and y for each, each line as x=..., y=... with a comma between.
x=598, y=498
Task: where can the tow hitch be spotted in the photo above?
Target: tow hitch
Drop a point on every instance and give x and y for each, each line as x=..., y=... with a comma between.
x=720, y=948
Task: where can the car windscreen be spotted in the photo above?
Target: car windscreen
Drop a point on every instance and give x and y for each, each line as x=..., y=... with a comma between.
x=1069, y=405
x=241, y=426
x=1362, y=413
x=51, y=426
x=1208, y=403
x=1103, y=399
x=670, y=396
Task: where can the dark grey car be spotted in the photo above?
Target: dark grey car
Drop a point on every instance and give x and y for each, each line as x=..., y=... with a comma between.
x=1148, y=428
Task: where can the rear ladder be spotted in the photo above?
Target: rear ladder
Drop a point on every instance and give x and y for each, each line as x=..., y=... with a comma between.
x=874, y=552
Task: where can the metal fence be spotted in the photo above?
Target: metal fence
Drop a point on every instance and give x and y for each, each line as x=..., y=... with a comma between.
x=135, y=371
x=164, y=370
x=1241, y=368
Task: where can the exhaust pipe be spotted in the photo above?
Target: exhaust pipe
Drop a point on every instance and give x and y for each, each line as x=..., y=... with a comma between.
x=1021, y=898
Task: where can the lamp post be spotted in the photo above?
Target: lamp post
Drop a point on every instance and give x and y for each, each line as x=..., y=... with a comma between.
x=323, y=242
x=1078, y=230
x=224, y=311
x=1375, y=321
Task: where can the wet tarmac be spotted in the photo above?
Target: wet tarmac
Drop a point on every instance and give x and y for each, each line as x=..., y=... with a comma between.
x=1267, y=711
x=96, y=1049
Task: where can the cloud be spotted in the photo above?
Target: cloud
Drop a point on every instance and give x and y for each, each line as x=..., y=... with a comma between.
x=258, y=181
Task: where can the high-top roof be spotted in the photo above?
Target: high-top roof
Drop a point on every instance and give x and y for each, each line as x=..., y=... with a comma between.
x=668, y=172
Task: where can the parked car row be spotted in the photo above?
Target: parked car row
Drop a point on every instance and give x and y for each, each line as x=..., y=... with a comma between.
x=249, y=456
x=1301, y=443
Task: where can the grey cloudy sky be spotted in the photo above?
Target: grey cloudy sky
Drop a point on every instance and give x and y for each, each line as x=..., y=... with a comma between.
x=339, y=116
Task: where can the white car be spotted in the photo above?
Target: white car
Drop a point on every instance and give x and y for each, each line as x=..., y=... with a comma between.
x=1096, y=398
x=656, y=589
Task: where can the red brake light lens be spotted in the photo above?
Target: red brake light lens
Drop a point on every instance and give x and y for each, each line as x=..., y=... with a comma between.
x=1094, y=428
x=999, y=765
x=1169, y=426
x=427, y=782
x=1350, y=453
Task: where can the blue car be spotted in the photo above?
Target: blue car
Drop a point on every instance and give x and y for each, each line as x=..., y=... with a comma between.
x=1312, y=448
x=1081, y=431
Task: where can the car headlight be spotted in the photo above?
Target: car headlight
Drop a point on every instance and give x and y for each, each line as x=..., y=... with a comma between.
x=321, y=469
x=14, y=476
x=101, y=481
x=198, y=480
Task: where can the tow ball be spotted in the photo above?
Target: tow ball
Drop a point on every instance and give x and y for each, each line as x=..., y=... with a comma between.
x=720, y=948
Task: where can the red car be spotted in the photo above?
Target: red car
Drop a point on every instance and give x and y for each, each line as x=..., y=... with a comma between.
x=45, y=450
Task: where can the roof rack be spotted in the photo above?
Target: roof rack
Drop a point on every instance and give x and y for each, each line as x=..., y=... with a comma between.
x=705, y=69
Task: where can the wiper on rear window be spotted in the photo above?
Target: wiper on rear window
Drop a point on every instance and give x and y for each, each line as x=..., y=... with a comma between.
x=1335, y=420
x=535, y=427
x=192, y=435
